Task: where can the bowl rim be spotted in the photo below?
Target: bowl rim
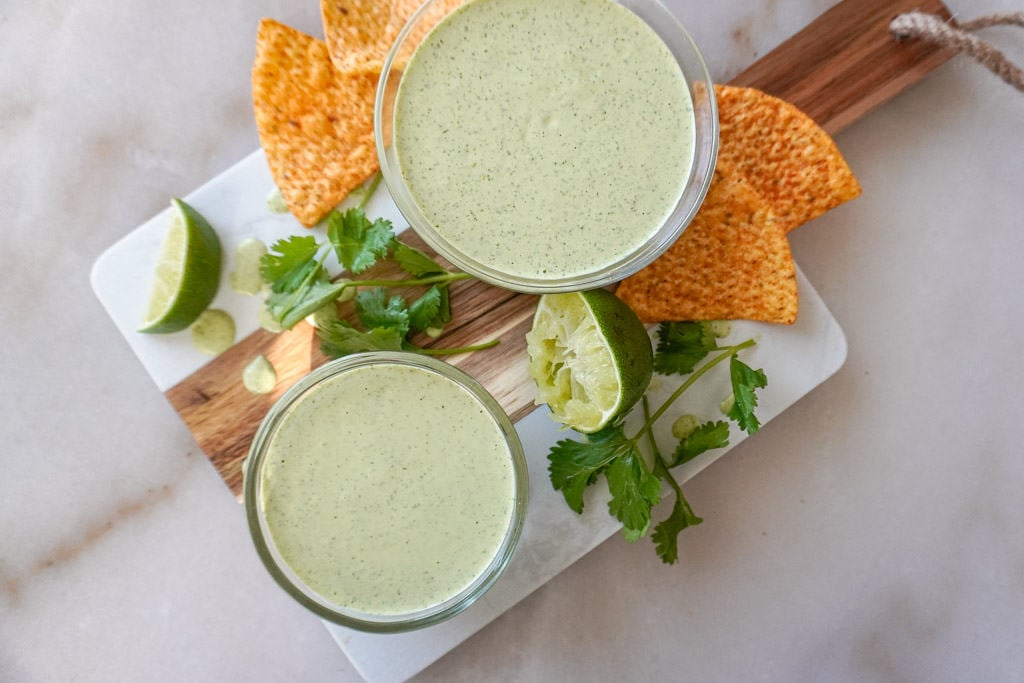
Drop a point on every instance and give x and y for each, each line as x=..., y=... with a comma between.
x=706, y=141
x=305, y=595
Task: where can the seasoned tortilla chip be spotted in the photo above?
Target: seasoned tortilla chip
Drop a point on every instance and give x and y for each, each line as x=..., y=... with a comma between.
x=356, y=32
x=784, y=155
x=315, y=123
x=359, y=33
x=732, y=262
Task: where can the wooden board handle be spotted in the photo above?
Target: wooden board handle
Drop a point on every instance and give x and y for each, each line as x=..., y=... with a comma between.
x=845, y=63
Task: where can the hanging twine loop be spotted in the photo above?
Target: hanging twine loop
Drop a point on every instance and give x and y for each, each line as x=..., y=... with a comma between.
x=958, y=37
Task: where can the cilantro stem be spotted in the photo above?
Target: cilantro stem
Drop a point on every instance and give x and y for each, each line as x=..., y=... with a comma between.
x=650, y=433
x=727, y=352
x=368, y=195
x=661, y=468
x=301, y=289
x=431, y=280
x=451, y=351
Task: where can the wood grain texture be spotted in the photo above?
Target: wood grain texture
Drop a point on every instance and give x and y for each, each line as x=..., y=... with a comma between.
x=223, y=415
x=845, y=63
x=837, y=69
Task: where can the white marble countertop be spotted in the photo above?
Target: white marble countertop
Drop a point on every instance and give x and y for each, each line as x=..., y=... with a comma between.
x=871, y=532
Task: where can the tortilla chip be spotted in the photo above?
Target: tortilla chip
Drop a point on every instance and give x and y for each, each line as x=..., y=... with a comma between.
x=793, y=163
x=359, y=33
x=355, y=32
x=732, y=262
x=315, y=124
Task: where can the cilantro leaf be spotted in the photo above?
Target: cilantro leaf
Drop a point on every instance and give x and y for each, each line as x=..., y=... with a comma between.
x=299, y=284
x=574, y=465
x=666, y=532
x=744, y=381
x=444, y=311
x=706, y=437
x=681, y=345
x=340, y=339
x=414, y=261
x=426, y=311
x=288, y=308
x=357, y=242
x=288, y=262
x=634, y=491
x=375, y=309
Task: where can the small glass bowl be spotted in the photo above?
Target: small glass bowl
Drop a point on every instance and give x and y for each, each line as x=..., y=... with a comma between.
x=295, y=586
x=705, y=152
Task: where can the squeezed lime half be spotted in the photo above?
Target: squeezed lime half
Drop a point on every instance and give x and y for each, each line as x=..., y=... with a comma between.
x=590, y=357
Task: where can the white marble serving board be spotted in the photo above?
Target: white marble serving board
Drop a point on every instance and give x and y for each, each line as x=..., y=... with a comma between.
x=795, y=358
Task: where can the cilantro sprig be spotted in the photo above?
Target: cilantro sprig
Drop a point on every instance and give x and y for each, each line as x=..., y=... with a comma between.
x=300, y=285
x=635, y=480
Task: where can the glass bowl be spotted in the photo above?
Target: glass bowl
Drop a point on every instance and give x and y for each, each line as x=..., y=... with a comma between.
x=296, y=405
x=705, y=150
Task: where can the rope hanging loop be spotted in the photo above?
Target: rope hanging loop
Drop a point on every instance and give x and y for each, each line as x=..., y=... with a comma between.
x=959, y=37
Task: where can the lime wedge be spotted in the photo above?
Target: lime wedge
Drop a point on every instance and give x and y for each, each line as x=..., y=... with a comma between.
x=590, y=357
x=187, y=272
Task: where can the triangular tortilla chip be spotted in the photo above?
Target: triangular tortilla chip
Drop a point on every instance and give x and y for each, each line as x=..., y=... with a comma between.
x=315, y=123
x=732, y=262
x=792, y=162
x=359, y=33
x=356, y=32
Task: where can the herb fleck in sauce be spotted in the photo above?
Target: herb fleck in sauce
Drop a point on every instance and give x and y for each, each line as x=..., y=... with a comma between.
x=388, y=489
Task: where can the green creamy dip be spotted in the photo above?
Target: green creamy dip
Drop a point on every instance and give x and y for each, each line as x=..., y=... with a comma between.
x=388, y=488
x=544, y=138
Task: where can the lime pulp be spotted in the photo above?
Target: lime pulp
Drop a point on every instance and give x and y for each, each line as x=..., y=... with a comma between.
x=187, y=272
x=590, y=357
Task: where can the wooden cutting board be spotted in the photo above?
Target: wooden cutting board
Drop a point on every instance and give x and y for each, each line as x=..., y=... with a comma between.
x=838, y=68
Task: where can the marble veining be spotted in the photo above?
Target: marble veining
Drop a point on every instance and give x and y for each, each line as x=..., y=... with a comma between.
x=81, y=541
x=871, y=532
